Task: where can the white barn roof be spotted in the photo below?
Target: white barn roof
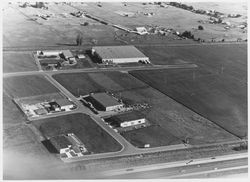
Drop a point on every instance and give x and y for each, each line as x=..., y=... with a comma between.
x=118, y=52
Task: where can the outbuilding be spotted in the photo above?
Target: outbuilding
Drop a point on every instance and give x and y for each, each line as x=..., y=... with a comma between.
x=119, y=54
x=126, y=120
x=65, y=104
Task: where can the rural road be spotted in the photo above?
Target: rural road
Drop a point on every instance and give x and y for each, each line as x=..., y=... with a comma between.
x=72, y=47
x=182, y=169
x=182, y=66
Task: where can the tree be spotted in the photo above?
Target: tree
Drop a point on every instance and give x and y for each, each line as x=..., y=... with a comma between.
x=79, y=39
x=200, y=27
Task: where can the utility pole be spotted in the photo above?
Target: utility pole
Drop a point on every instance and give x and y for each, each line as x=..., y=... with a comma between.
x=222, y=69
x=193, y=75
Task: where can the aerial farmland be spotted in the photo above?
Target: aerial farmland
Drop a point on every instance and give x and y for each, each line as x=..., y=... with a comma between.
x=121, y=90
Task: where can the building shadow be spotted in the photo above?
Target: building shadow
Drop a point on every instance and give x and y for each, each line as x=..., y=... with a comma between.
x=49, y=147
x=65, y=44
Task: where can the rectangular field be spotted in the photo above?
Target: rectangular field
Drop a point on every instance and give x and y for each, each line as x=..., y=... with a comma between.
x=18, y=62
x=93, y=136
x=85, y=83
x=155, y=136
x=217, y=97
x=24, y=86
x=229, y=59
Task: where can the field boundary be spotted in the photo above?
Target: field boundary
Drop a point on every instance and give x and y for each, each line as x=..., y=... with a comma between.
x=192, y=110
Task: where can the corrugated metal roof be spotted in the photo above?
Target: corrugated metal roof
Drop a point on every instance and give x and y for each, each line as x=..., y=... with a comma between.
x=112, y=52
x=105, y=99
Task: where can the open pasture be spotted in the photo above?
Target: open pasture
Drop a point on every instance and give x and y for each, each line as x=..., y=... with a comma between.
x=18, y=62
x=228, y=59
x=25, y=86
x=217, y=97
x=85, y=83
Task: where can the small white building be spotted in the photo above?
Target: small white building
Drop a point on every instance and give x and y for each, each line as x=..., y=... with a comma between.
x=141, y=30
x=49, y=53
x=125, y=120
x=133, y=122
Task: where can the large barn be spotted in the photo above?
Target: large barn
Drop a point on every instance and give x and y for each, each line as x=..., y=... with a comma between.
x=104, y=102
x=119, y=54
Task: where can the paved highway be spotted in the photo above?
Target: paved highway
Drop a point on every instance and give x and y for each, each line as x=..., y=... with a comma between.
x=182, y=169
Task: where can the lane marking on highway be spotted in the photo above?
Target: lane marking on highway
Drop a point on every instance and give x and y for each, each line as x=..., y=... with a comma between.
x=174, y=164
x=209, y=171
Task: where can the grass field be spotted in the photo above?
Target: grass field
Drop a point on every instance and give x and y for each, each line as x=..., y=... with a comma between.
x=153, y=135
x=62, y=30
x=55, y=31
x=217, y=90
x=18, y=62
x=231, y=59
x=85, y=83
x=93, y=136
x=175, y=119
x=24, y=86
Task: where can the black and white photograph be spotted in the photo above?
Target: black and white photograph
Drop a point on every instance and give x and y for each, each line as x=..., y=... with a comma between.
x=124, y=90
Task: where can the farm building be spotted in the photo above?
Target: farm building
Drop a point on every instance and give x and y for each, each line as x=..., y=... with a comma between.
x=69, y=145
x=141, y=30
x=49, y=53
x=65, y=104
x=119, y=54
x=125, y=120
x=51, y=62
x=61, y=104
x=64, y=54
x=105, y=102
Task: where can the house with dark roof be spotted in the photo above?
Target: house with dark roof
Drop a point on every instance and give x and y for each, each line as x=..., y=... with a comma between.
x=103, y=101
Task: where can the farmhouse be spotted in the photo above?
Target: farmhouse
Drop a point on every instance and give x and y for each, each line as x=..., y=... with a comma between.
x=126, y=120
x=119, y=54
x=105, y=102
